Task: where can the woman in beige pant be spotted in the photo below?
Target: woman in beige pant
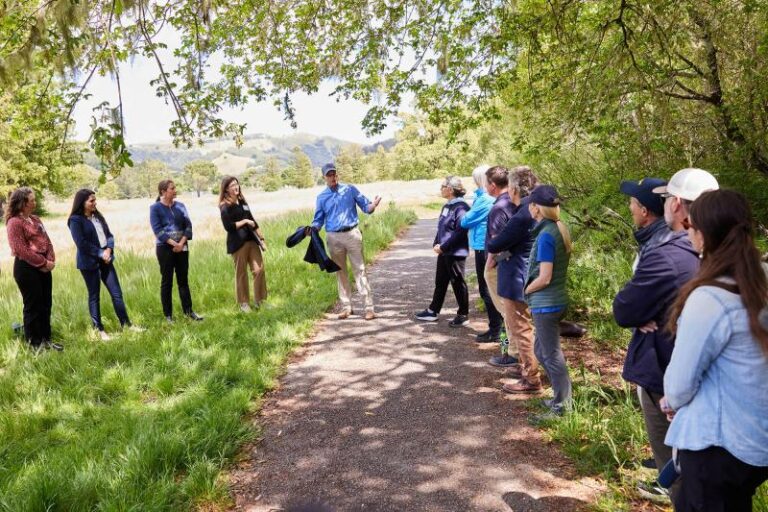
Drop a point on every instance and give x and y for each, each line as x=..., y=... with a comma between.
x=245, y=242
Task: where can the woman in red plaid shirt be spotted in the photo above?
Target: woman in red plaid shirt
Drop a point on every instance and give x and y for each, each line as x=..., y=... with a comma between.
x=34, y=261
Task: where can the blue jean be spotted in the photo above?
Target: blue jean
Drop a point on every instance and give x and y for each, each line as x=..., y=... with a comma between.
x=93, y=278
x=550, y=356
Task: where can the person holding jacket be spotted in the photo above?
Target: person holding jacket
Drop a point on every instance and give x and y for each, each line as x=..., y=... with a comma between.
x=95, y=259
x=545, y=290
x=245, y=243
x=452, y=248
x=34, y=259
x=511, y=248
x=173, y=229
x=476, y=221
x=715, y=387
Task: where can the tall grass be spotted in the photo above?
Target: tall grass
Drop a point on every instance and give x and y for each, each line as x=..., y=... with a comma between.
x=148, y=420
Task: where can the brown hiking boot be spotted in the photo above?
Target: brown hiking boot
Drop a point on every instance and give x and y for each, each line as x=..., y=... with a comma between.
x=345, y=314
x=522, y=387
x=515, y=371
x=370, y=315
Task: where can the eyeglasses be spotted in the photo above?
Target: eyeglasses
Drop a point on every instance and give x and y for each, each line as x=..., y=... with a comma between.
x=687, y=224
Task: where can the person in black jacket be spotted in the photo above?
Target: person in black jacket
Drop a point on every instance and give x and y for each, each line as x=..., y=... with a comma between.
x=452, y=248
x=245, y=242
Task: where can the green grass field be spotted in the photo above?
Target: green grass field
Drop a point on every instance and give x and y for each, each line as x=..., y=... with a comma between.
x=148, y=421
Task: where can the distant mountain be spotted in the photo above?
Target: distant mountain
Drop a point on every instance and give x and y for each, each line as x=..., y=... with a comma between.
x=254, y=152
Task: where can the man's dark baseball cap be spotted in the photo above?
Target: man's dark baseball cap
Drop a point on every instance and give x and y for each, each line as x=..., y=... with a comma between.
x=544, y=195
x=328, y=168
x=643, y=191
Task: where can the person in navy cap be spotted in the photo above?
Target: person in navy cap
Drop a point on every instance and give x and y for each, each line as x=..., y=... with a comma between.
x=665, y=261
x=336, y=208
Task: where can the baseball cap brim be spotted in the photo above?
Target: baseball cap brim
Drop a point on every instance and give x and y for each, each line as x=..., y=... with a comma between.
x=660, y=190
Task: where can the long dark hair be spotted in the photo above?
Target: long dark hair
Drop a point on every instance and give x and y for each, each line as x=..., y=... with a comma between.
x=724, y=219
x=78, y=206
x=226, y=181
x=16, y=202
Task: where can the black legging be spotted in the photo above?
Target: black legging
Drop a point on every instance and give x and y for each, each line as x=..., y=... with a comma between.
x=450, y=269
x=36, y=289
x=171, y=262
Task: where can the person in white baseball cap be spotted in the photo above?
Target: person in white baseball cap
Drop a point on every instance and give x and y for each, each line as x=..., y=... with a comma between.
x=684, y=188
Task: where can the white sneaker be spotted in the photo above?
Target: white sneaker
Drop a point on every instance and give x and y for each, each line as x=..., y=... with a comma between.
x=136, y=328
x=104, y=336
x=245, y=308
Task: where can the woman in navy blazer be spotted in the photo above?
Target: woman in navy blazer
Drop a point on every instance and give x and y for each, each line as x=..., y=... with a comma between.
x=95, y=258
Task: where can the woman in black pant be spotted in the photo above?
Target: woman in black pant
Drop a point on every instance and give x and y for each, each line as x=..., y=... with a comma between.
x=34, y=261
x=173, y=229
x=452, y=248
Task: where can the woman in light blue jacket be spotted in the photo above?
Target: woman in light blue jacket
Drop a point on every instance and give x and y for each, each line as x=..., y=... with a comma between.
x=716, y=384
x=476, y=221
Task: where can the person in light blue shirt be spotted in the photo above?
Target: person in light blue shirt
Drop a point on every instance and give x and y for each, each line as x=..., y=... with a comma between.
x=476, y=221
x=336, y=208
x=716, y=384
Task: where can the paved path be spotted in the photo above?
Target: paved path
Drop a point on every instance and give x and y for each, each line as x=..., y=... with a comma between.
x=395, y=415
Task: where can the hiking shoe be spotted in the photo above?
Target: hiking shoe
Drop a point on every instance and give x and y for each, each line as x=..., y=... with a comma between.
x=521, y=387
x=546, y=417
x=370, y=315
x=515, y=371
x=50, y=345
x=245, y=308
x=652, y=491
x=649, y=463
x=459, y=321
x=504, y=361
x=136, y=328
x=104, y=336
x=488, y=337
x=427, y=316
x=345, y=314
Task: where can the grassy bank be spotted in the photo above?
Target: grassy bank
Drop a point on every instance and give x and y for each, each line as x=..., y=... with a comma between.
x=148, y=421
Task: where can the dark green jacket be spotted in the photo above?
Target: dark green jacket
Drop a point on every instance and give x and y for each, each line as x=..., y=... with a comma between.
x=555, y=293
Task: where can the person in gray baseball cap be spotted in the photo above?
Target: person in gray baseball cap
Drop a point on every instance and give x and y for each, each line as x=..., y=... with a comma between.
x=336, y=209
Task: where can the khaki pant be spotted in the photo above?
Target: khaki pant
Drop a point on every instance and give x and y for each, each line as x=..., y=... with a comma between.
x=492, y=280
x=341, y=245
x=517, y=318
x=249, y=256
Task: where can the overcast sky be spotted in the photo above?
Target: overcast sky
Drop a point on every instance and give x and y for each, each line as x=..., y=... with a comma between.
x=148, y=118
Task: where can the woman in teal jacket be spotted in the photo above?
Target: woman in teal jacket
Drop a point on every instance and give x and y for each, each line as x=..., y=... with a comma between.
x=476, y=221
x=545, y=290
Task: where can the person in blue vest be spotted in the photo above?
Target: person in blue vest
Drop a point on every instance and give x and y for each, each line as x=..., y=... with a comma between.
x=545, y=290
x=173, y=230
x=95, y=259
x=476, y=221
x=452, y=248
x=336, y=208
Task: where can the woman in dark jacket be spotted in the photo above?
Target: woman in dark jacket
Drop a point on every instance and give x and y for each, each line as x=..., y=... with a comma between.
x=32, y=266
x=173, y=229
x=245, y=242
x=95, y=258
x=452, y=248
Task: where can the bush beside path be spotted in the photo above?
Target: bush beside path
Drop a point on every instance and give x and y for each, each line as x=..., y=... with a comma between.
x=394, y=415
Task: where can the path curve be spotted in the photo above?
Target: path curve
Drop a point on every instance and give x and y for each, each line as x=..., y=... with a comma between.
x=395, y=415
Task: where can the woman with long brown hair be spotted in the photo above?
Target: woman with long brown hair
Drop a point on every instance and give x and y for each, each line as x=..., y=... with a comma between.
x=716, y=384
x=245, y=243
x=34, y=260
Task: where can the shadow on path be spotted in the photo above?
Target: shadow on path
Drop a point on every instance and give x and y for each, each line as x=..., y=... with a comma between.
x=395, y=414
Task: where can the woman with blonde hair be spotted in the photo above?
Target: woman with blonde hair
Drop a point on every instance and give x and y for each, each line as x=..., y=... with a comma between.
x=545, y=290
x=245, y=243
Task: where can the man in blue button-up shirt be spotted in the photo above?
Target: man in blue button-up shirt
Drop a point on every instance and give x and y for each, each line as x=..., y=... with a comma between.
x=336, y=208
